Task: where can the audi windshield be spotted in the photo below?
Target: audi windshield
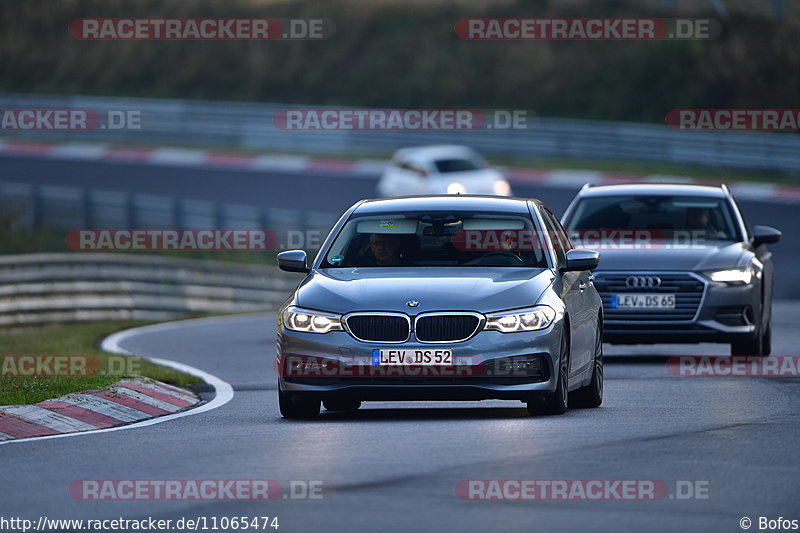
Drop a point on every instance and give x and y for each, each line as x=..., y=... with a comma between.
x=661, y=216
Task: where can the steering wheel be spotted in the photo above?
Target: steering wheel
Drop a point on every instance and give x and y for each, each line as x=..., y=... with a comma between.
x=485, y=256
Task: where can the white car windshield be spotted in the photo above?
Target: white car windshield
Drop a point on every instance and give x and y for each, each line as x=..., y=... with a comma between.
x=445, y=166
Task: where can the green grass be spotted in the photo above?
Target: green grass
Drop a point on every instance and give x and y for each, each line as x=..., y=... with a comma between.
x=641, y=168
x=395, y=53
x=73, y=339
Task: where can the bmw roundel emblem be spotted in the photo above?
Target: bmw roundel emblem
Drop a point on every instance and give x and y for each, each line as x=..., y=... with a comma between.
x=412, y=303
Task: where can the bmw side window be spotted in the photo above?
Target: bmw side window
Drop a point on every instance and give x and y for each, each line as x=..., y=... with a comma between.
x=563, y=237
x=552, y=231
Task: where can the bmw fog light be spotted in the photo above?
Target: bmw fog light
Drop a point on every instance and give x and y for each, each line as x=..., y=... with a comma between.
x=525, y=365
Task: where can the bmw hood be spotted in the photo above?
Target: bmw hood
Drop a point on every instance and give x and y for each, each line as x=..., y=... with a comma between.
x=711, y=256
x=342, y=290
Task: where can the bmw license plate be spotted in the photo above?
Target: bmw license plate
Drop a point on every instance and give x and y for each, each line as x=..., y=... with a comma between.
x=412, y=357
x=643, y=301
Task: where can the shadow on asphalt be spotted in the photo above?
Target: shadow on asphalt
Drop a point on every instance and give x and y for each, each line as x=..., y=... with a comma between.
x=416, y=414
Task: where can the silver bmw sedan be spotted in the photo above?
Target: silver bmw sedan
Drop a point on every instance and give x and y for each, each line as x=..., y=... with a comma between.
x=442, y=298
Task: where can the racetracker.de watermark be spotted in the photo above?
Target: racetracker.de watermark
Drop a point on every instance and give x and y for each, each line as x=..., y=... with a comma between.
x=593, y=239
x=70, y=119
x=581, y=489
x=191, y=240
x=773, y=366
x=423, y=363
x=50, y=366
x=734, y=119
x=585, y=29
x=200, y=29
x=403, y=119
x=175, y=239
x=197, y=489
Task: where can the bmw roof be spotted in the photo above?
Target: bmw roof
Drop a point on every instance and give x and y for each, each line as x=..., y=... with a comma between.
x=444, y=202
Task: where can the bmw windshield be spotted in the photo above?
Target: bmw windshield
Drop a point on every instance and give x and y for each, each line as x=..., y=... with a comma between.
x=450, y=239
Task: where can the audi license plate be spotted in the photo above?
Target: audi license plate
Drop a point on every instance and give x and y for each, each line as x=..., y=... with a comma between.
x=412, y=357
x=643, y=301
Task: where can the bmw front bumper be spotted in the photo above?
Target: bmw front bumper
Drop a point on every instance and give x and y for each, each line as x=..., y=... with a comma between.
x=459, y=383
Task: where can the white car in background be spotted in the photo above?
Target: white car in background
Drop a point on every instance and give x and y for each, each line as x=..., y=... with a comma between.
x=441, y=169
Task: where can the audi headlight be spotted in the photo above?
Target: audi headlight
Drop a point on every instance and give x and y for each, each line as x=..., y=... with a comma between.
x=531, y=319
x=309, y=321
x=736, y=276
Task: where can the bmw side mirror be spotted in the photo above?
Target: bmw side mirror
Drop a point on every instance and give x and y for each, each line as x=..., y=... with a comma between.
x=581, y=260
x=765, y=235
x=293, y=261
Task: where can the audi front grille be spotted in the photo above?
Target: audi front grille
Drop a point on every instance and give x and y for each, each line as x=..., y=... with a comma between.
x=688, y=291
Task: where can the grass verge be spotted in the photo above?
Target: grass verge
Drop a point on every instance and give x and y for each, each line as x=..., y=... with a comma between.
x=101, y=369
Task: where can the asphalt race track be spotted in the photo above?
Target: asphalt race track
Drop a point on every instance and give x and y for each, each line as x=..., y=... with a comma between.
x=395, y=466
x=329, y=192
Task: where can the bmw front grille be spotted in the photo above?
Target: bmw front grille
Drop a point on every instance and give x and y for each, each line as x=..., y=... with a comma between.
x=435, y=327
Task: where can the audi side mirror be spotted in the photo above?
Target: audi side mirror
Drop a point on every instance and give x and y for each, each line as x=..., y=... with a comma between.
x=765, y=235
x=578, y=260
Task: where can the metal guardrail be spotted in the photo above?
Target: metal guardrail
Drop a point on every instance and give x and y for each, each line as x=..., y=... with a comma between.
x=251, y=126
x=73, y=287
x=77, y=208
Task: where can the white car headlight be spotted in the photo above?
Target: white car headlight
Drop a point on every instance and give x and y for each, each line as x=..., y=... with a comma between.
x=309, y=321
x=531, y=319
x=502, y=188
x=736, y=276
x=456, y=188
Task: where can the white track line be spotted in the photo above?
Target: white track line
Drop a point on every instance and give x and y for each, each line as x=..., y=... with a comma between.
x=224, y=391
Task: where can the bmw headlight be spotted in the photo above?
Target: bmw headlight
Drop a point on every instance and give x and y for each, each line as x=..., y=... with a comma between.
x=736, y=276
x=531, y=319
x=298, y=319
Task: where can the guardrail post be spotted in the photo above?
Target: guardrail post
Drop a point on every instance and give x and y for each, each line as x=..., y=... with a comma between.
x=131, y=210
x=36, y=207
x=86, y=215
